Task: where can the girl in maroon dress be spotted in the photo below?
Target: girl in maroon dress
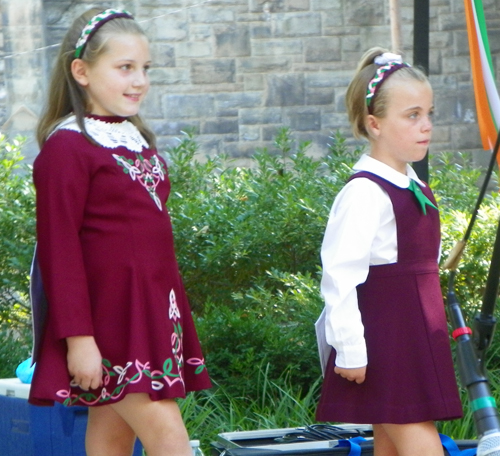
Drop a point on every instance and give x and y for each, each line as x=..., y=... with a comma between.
x=118, y=335
x=391, y=363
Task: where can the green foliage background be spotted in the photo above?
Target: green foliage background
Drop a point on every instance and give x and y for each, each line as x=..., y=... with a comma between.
x=248, y=241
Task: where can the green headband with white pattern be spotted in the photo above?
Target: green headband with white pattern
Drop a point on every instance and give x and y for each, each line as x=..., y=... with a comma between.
x=94, y=24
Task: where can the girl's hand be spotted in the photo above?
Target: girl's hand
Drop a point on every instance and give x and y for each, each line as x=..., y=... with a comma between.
x=84, y=362
x=353, y=375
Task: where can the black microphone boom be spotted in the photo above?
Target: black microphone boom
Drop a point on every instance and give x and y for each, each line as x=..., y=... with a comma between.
x=470, y=351
x=471, y=372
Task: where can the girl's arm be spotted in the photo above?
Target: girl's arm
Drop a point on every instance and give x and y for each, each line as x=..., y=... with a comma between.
x=354, y=226
x=62, y=175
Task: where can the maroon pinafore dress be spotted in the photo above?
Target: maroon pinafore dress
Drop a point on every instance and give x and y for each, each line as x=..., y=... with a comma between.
x=410, y=376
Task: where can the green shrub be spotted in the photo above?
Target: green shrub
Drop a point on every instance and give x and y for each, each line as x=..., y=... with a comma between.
x=233, y=224
x=17, y=228
x=15, y=347
x=248, y=241
x=265, y=326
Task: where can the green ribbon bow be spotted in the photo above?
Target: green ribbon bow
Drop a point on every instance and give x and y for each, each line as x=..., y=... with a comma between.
x=421, y=198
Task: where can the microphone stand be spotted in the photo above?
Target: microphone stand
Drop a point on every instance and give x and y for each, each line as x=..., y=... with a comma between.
x=470, y=351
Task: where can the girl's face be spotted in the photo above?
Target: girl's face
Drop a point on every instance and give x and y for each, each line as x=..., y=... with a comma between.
x=117, y=82
x=404, y=134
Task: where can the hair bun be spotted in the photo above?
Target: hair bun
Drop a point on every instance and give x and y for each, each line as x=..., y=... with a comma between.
x=387, y=57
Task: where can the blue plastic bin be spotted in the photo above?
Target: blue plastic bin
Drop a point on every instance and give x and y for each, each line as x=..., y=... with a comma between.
x=28, y=430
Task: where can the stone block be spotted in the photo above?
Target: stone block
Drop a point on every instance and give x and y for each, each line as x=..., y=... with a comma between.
x=193, y=49
x=285, y=90
x=320, y=79
x=165, y=128
x=257, y=6
x=214, y=71
x=169, y=76
x=173, y=27
x=264, y=64
x=295, y=5
x=375, y=36
x=232, y=41
x=440, y=134
x=250, y=133
x=230, y=102
x=162, y=55
x=333, y=19
x=253, y=82
x=364, y=13
x=350, y=43
x=151, y=107
x=260, y=31
x=276, y=6
x=318, y=97
x=452, y=21
x=494, y=41
x=269, y=132
x=303, y=119
x=298, y=24
x=322, y=49
x=334, y=121
x=220, y=126
x=211, y=15
x=188, y=106
x=465, y=137
x=453, y=106
x=326, y=5
x=159, y=3
x=275, y=47
x=445, y=40
x=455, y=64
x=200, y=32
x=255, y=116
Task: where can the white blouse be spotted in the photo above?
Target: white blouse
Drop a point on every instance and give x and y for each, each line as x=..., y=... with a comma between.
x=361, y=231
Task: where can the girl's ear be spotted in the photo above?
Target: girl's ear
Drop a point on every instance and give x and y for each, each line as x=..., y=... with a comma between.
x=79, y=72
x=373, y=126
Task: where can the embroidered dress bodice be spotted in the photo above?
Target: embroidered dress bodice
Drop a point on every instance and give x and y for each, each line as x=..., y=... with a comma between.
x=113, y=134
x=108, y=266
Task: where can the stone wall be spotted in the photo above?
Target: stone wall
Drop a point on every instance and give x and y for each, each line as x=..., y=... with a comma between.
x=237, y=70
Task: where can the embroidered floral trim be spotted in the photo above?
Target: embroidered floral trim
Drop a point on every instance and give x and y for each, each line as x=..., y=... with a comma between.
x=148, y=173
x=135, y=372
x=131, y=373
x=109, y=134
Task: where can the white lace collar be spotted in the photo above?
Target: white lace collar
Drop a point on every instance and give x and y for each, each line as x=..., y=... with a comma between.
x=109, y=134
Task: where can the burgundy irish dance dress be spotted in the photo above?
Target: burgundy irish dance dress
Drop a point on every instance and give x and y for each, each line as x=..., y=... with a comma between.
x=410, y=376
x=106, y=256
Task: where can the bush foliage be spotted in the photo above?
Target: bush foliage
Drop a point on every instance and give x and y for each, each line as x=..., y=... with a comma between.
x=248, y=241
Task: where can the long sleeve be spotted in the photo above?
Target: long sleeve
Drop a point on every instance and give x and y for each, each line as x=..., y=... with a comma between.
x=360, y=232
x=61, y=175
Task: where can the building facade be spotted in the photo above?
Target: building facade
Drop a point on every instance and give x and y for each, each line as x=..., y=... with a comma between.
x=237, y=70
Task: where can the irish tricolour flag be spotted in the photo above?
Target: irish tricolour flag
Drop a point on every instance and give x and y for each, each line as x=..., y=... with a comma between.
x=485, y=91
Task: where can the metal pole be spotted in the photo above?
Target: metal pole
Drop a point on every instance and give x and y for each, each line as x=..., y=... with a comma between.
x=421, y=58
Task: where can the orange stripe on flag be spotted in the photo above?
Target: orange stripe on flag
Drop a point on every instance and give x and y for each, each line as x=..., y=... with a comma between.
x=487, y=127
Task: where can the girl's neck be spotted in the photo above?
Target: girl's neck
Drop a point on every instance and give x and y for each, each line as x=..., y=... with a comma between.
x=397, y=165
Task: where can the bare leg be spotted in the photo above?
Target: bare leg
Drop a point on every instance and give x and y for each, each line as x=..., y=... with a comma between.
x=415, y=439
x=108, y=434
x=158, y=424
x=383, y=445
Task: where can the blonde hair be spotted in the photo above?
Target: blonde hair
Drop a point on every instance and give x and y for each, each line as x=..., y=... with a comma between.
x=355, y=100
x=66, y=96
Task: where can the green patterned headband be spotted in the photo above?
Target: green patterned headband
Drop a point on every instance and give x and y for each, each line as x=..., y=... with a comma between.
x=389, y=63
x=94, y=24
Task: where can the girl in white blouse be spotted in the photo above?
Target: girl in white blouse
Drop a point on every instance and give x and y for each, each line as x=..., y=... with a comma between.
x=391, y=362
